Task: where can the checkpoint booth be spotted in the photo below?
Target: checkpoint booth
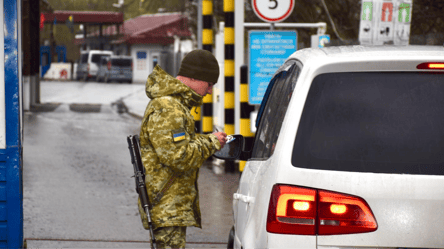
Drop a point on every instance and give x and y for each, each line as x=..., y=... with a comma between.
x=11, y=190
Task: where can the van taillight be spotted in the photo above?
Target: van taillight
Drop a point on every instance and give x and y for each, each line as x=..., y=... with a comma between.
x=431, y=65
x=304, y=211
x=132, y=66
x=109, y=65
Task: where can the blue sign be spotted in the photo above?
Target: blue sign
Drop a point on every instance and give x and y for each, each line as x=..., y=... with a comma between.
x=323, y=39
x=141, y=55
x=268, y=51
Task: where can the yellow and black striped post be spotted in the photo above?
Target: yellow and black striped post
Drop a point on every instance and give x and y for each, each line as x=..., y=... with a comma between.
x=207, y=44
x=229, y=98
x=246, y=109
x=195, y=111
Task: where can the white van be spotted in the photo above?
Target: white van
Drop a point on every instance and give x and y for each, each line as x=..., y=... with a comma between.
x=348, y=152
x=88, y=65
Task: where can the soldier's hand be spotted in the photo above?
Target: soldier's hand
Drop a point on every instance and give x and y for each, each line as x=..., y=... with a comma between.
x=222, y=137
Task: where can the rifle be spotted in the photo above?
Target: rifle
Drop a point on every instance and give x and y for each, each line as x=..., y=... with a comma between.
x=139, y=176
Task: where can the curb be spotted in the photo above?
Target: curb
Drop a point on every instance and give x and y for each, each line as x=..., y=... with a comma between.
x=123, y=108
x=46, y=107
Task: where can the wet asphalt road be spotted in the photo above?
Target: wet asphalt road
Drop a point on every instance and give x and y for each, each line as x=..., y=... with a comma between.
x=77, y=186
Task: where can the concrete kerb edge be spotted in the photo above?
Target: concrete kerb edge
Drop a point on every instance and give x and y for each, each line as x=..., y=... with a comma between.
x=123, y=108
x=135, y=115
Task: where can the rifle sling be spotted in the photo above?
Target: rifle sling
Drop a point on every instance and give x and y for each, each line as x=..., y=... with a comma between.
x=164, y=189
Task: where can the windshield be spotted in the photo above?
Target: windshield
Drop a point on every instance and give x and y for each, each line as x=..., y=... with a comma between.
x=373, y=122
x=121, y=62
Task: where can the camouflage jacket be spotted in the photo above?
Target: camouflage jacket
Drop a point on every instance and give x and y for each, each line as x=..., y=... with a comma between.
x=170, y=145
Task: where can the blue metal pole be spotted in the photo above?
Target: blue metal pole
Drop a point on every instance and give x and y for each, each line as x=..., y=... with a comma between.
x=11, y=157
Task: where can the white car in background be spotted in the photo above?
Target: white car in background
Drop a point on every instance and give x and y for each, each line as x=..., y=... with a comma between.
x=89, y=63
x=349, y=152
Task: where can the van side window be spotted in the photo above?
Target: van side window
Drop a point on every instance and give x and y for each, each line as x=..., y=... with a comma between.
x=84, y=58
x=103, y=61
x=274, y=112
x=96, y=58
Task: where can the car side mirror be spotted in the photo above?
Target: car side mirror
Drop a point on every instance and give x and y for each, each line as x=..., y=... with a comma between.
x=232, y=149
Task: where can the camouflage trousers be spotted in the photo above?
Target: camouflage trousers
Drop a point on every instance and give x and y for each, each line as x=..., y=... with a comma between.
x=170, y=237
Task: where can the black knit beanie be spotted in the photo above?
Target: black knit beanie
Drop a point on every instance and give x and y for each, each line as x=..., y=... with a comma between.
x=200, y=65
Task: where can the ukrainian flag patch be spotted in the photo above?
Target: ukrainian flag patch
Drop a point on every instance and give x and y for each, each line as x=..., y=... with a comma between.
x=178, y=135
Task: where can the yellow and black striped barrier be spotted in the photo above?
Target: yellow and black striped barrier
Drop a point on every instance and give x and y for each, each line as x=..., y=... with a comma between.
x=195, y=111
x=229, y=98
x=207, y=44
x=246, y=109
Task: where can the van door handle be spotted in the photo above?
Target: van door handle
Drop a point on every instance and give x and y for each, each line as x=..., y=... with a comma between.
x=244, y=198
x=247, y=199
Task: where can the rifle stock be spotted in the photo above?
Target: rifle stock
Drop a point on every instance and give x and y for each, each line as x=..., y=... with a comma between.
x=139, y=176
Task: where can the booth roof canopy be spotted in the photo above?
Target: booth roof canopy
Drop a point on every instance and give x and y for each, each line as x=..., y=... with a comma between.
x=156, y=28
x=85, y=17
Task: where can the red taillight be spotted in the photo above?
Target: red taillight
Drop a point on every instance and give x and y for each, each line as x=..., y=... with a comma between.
x=292, y=210
x=431, y=65
x=109, y=65
x=342, y=214
x=304, y=211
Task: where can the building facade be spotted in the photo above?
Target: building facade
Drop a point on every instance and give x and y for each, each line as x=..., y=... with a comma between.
x=162, y=39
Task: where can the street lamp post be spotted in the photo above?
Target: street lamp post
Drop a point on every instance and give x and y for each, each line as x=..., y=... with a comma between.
x=199, y=23
x=121, y=6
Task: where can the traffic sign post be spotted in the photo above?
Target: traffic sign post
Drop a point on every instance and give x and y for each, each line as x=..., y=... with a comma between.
x=272, y=20
x=272, y=10
x=267, y=51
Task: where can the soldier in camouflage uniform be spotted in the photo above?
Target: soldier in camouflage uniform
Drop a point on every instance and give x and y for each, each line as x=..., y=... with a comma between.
x=172, y=152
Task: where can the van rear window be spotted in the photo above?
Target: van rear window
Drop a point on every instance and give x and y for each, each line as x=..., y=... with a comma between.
x=96, y=57
x=373, y=122
x=121, y=62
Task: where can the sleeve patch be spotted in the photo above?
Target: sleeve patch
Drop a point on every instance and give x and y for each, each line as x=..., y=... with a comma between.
x=178, y=135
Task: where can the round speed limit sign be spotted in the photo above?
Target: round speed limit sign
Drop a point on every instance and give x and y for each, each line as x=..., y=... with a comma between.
x=273, y=10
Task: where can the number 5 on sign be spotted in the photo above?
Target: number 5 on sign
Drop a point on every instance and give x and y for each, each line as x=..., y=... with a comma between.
x=272, y=10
